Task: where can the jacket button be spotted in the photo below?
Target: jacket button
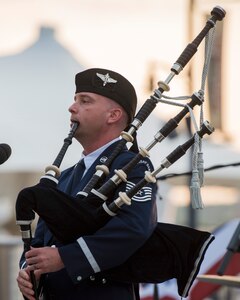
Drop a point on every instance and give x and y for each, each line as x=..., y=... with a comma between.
x=92, y=278
x=79, y=278
x=104, y=281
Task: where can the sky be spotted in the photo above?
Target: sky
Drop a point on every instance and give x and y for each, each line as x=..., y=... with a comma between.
x=87, y=26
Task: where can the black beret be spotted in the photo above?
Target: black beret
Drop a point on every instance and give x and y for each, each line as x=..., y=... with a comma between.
x=109, y=84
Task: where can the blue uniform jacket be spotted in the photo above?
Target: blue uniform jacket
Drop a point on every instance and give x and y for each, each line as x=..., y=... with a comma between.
x=110, y=246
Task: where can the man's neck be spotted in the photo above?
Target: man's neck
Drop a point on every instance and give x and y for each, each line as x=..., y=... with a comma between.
x=97, y=144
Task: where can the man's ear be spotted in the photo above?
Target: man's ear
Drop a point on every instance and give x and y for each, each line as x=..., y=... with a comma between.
x=115, y=114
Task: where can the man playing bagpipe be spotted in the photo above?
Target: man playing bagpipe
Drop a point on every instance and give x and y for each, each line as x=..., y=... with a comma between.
x=104, y=105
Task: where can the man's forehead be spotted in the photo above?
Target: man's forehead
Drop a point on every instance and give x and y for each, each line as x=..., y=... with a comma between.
x=85, y=94
x=90, y=95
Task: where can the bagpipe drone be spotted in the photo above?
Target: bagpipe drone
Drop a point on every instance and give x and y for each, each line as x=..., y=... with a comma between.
x=93, y=207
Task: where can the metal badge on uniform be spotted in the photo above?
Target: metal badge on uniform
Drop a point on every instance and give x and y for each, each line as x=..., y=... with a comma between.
x=145, y=194
x=103, y=159
x=106, y=78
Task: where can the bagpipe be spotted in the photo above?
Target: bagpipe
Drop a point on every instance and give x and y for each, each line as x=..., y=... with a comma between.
x=92, y=207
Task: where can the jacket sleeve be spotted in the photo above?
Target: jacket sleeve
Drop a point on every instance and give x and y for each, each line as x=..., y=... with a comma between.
x=119, y=238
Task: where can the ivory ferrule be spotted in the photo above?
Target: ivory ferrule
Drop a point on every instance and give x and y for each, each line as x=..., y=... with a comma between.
x=144, y=152
x=122, y=199
x=53, y=171
x=164, y=86
x=107, y=210
x=127, y=137
x=24, y=222
x=99, y=195
x=26, y=234
x=149, y=177
x=81, y=193
x=102, y=169
x=119, y=176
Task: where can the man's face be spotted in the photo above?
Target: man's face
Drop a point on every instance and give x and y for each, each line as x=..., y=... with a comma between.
x=92, y=112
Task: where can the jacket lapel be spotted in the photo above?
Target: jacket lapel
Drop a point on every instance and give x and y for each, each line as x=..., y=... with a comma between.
x=66, y=179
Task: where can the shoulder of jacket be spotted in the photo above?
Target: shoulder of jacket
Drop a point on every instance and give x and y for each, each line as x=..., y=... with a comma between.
x=125, y=156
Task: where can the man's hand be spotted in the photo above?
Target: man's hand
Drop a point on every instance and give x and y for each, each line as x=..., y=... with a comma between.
x=24, y=283
x=40, y=260
x=44, y=260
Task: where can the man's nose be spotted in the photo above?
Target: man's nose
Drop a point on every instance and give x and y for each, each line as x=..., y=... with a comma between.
x=72, y=108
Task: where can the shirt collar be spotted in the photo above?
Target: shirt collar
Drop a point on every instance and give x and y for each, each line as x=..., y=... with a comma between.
x=90, y=158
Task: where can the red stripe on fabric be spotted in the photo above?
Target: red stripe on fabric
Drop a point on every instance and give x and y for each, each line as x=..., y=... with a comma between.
x=204, y=289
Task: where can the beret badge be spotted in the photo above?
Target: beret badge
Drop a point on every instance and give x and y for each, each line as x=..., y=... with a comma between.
x=106, y=78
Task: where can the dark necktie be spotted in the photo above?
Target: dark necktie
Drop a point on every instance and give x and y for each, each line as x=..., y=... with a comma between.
x=77, y=174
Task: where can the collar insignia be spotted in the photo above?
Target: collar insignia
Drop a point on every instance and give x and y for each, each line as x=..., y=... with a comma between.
x=106, y=78
x=103, y=159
